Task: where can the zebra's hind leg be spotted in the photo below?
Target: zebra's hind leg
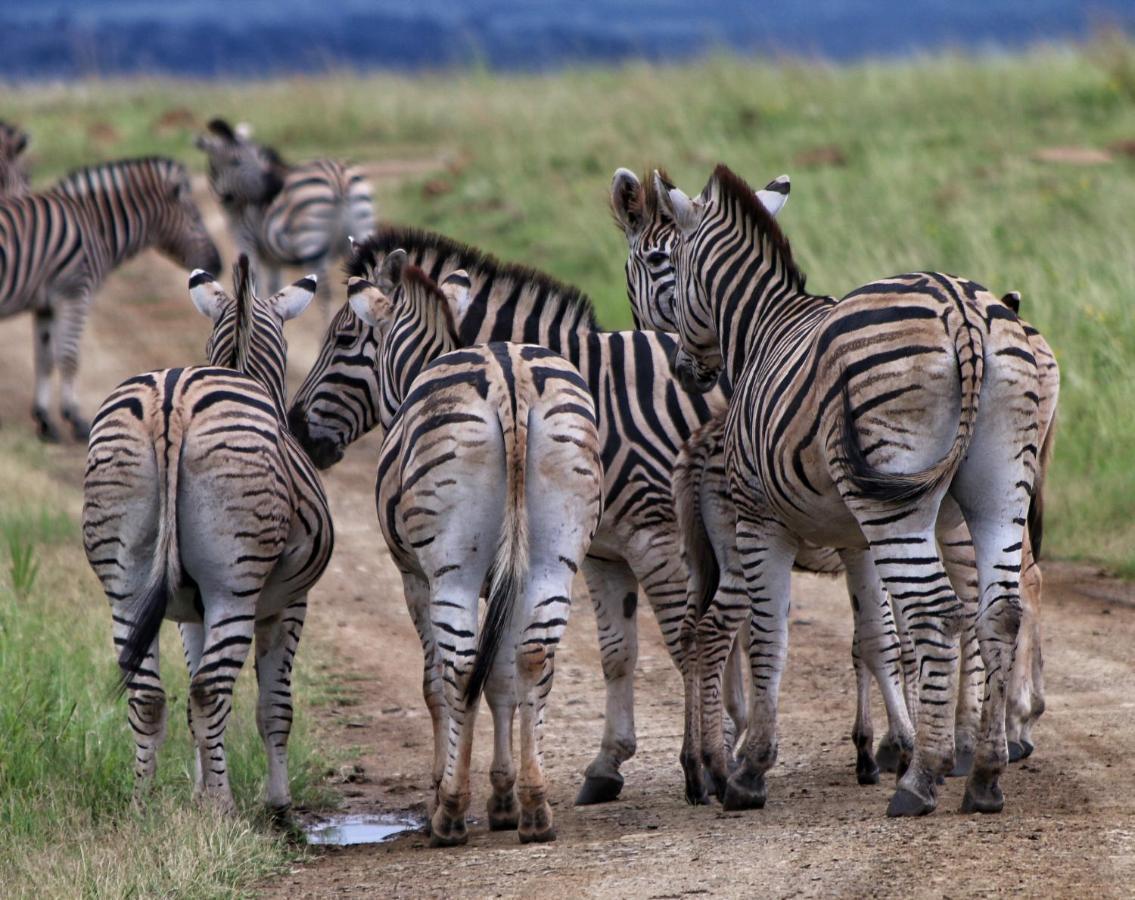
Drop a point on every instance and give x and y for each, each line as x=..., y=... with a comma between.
x=500, y=692
x=1026, y=681
x=961, y=566
x=766, y=552
x=614, y=598
x=417, y=593
x=877, y=651
x=72, y=313
x=276, y=641
x=734, y=690
x=193, y=640
x=229, y=627
x=44, y=367
x=146, y=705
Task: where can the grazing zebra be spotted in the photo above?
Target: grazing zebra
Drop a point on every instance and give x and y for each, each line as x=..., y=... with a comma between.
x=57, y=246
x=650, y=235
x=200, y=507
x=489, y=474
x=867, y=425
x=281, y=214
x=13, y=176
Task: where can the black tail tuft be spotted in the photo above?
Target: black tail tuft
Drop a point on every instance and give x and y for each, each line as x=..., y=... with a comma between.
x=503, y=588
x=147, y=615
x=1036, y=521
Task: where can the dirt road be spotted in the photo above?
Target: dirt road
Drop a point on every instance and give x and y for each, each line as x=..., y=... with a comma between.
x=1069, y=823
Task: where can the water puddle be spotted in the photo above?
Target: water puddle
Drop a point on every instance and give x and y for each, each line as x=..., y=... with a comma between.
x=340, y=831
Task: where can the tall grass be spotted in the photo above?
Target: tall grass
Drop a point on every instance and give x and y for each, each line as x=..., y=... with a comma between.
x=67, y=823
x=923, y=164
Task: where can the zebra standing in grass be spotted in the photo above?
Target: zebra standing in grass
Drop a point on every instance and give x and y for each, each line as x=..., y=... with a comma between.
x=200, y=507
x=13, y=176
x=57, y=246
x=868, y=425
x=650, y=235
x=281, y=214
x=489, y=474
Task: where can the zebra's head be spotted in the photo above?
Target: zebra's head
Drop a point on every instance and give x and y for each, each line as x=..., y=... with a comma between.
x=181, y=232
x=13, y=175
x=651, y=233
x=389, y=329
x=248, y=332
x=241, y=172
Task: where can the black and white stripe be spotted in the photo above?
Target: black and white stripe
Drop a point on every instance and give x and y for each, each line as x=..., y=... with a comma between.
x=200, y=507
x=13, y=174
x=867, y=425
x=57, y=246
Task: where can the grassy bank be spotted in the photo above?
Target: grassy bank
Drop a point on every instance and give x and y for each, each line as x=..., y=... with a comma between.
x=67, y=824
x=949, y=163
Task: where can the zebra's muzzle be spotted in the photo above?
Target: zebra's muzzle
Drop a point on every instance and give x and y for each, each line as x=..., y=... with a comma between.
x=323, y=452
x=691, y=375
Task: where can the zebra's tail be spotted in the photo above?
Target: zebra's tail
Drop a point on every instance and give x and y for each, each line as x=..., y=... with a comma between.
x=510, y=563
x=149, y=606
x=703, y=571
x=899, y=488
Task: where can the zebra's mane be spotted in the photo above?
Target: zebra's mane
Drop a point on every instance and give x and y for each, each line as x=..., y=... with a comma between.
x=242, y=332
x=463, y=256
x=734, y=188
x=412, y=276
x=78, y=180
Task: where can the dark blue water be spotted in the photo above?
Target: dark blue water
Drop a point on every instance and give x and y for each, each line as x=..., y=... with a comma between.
x=252, y=38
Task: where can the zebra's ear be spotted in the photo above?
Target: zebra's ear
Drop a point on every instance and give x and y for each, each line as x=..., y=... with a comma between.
x=774, y=195
x=628, y=200
x=293, y=299
x=369, y=302
x=243, y=131
x=389, y=274
x=207, y=295
x=456, y=289
x=685, y=212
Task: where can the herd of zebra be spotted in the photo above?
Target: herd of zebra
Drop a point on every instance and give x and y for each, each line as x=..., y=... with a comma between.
x=899, y=434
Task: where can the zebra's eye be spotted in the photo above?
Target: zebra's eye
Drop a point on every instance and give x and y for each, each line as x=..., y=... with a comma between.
x=345, y=339
x=657, y=257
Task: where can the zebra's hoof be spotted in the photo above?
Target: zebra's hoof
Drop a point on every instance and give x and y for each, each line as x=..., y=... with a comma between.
x=446, y=832
x=866, y=770
x=963, y=764
x=907, y=803
x=745, y=792
x=983, y=795
x=599, y=789
x=80, y=427
x=887, y=755
x=45, y=429
x=504, y=812
x=536, y=825
x=1019, y=750
x=719, y=782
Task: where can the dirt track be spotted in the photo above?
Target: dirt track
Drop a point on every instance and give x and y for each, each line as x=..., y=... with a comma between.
x=1069, y=824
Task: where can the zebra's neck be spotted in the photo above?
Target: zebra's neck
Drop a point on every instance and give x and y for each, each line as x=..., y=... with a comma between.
x=758, y=296
x=123, y=200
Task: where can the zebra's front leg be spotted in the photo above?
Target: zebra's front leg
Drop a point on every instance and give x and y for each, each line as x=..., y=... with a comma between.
x=876, y=650
x=501, y=695
x=614, y=598
x=229, y=627
x=276, y=641
x=453, y=609
x=72, y=313
x=44, y=366
x=146, y=706
x=766, y=551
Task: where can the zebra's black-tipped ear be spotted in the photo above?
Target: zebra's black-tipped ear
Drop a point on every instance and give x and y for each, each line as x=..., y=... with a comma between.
x=369, y=302
x=456, y=289
x=207, y=294
x=19, y=144
x=628, y=200
x=1013, y=301
x=774, y=195
x=293, y=299
x=389, y=274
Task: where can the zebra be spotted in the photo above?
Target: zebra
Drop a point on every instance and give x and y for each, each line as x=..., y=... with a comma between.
x=57, y=246
x=13, y=176
x=281, y=214
x=868, y=425
x=650, y=235
x=507, y=430
x=200, y=507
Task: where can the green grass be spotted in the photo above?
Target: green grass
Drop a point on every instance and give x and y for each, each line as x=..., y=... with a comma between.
x=67, y=823
x=939, y=171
